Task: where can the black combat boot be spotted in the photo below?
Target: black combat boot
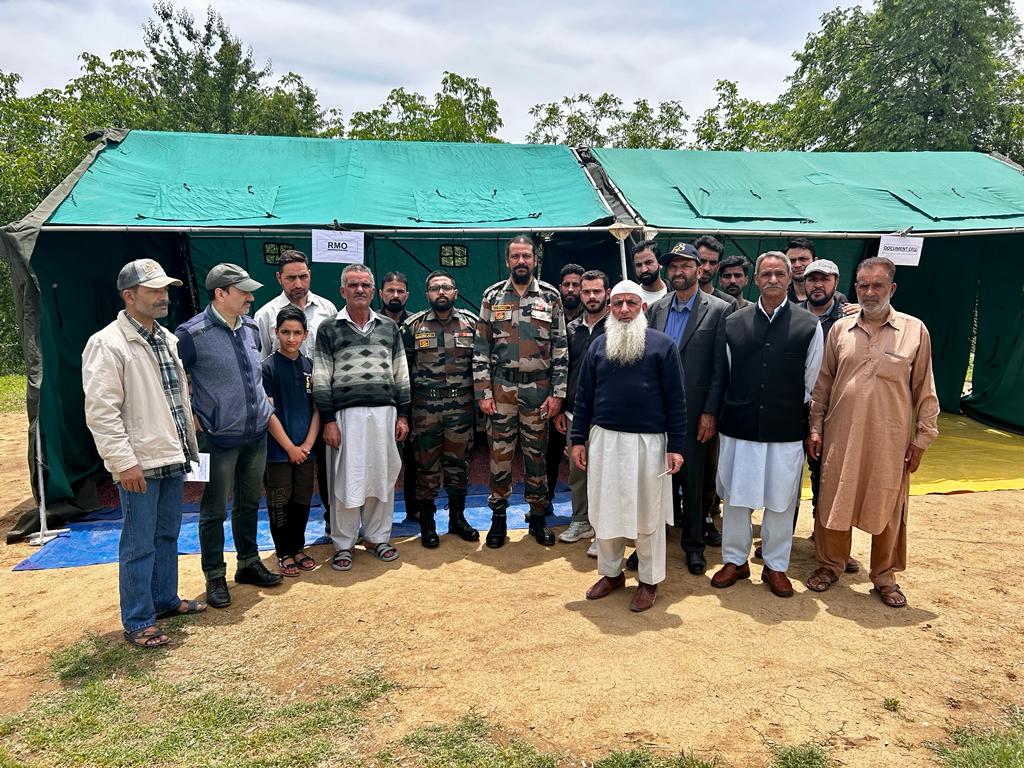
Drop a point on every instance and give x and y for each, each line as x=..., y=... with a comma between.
x=539, y=529
x=428, y=532
x=498, y=535
x=457, y=523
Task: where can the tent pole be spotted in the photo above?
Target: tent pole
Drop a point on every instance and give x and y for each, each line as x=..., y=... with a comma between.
x=622, y=259
x=44, y=535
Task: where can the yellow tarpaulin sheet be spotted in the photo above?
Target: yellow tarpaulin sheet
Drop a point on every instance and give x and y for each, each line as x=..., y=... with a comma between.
x=967, y=456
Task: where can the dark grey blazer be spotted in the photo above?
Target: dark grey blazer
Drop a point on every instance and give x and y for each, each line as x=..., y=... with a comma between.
x=702, y=351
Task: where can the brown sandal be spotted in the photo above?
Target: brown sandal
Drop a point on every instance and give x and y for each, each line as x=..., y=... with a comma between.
x=821, y=580
x=289, y=569
x=892, y=596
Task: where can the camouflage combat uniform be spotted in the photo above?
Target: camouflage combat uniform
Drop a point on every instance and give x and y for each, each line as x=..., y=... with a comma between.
x=521, y=358
x=441, y=369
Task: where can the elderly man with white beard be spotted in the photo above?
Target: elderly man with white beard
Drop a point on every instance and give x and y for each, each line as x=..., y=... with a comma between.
x=630, y=406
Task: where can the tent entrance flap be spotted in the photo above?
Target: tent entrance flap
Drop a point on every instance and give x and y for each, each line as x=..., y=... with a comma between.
x=188, y=202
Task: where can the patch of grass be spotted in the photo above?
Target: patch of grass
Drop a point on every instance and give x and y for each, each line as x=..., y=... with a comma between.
x=807, y=755
x=469, y=745
x=96, y=658
x=892, y=705
x=141, y=721
x=643, y=758
x=12, y=400
x=1001, y=747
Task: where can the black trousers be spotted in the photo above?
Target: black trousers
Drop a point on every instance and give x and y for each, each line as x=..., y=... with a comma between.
x=289, y=491
x=555, y=454
x=688, y=487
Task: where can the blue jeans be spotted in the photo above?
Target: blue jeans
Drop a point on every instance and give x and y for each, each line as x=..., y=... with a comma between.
x=148, y=552
x=238, y=471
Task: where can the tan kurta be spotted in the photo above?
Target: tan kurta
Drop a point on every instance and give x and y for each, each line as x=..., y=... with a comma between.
x=875, y=395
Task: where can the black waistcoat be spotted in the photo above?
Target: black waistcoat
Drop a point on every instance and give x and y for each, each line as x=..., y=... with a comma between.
x=765, y=399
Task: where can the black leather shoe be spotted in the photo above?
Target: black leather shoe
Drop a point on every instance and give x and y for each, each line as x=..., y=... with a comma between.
x=498, y=534
x=540, y=531
x=696, y=563
x=712, y=538
x=258, y=575
x=632, y=562
x=217, y=593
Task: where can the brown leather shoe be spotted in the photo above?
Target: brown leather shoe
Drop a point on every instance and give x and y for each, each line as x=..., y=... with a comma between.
x=777, y=582
x=729, y=574
x=605, y=586
x=644, y=598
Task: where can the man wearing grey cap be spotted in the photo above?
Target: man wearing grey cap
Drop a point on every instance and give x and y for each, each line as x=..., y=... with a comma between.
x=220, y=349
x=137, y=408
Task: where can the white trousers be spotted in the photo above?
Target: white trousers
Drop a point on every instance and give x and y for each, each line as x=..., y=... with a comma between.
x=650, y=550
x=375, y=516
x=738, y=535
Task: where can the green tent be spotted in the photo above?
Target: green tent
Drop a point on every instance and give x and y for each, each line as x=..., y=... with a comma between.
x=193, y=200
x=968, y=206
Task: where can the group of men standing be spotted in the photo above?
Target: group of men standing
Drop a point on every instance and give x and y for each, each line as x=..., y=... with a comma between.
x=682, y=393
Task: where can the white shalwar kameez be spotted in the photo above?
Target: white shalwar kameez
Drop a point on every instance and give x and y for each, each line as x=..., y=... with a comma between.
x=363, y=473
x=627, y=499
x=767, y=476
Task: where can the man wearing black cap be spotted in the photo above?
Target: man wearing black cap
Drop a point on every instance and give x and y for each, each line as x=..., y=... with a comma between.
x=220, y=349
x=696, y=322
x=137, y=408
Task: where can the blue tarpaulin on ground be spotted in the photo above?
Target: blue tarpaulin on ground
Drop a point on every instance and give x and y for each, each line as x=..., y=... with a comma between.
x=93, y=540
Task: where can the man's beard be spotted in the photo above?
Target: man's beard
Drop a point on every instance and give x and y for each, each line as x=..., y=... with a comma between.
x=733, y=289
x=819, y=302
x=878, y=313
x=395, y=305
x=598, y=306
x=570, y=302
x=520, y=276
x=704, y=279
x=648, y=278
x=626, y=341
x=681, y=283
x=441, y=304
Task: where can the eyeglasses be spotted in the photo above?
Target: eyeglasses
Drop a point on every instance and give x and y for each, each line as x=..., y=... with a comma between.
x=441, y=289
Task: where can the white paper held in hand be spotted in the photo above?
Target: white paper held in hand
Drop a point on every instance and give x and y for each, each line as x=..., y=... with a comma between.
x=200, y=471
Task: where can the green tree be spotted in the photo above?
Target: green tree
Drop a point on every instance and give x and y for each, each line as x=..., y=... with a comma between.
x=737, y=124
x=583, y=120
x=463, y=110
x=909, y=75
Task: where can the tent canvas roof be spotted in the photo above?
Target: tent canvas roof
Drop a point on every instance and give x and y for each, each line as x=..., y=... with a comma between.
x=157, y=179
x=818, y=191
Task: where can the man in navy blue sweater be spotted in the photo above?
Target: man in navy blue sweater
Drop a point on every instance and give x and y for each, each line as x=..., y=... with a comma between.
x=630, y=406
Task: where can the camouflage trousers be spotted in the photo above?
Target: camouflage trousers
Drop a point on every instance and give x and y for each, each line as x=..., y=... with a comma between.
x=518, y=420
x=444, y=440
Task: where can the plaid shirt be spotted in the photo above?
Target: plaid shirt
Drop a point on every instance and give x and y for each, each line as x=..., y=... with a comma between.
x=172, y=391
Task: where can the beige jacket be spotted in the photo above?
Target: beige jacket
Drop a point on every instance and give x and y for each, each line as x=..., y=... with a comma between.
x=125, y=406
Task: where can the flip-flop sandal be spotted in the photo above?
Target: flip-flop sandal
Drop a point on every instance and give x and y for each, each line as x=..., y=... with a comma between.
x=891, y=596
x=342, y=560
x=191, y=607
x=382, y=551
x=304, y=561
x=287, y=569
x=821, y=580
x=147, y=637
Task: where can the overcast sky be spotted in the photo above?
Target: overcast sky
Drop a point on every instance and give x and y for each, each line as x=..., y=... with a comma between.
x=527, y=52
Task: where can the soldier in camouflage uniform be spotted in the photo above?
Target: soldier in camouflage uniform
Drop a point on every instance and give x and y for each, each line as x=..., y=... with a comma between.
x=439, y=344
x=520, y=369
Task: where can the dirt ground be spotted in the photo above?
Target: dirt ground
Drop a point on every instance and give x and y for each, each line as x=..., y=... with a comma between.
x=508, y=634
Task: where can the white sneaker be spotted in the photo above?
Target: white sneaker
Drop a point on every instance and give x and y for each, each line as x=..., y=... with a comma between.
x=577, y=530
x=592, y=551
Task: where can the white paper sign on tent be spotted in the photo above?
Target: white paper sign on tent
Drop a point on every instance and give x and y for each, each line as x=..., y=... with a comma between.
x=901, y=251
x=337, y=247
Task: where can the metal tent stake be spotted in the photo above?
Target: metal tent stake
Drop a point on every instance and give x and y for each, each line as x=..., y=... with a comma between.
x=44, y=535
